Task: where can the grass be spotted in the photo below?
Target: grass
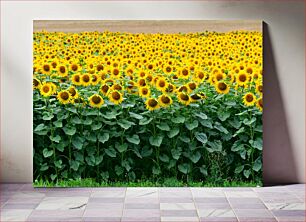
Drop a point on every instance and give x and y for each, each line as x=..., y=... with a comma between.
x=169, y=182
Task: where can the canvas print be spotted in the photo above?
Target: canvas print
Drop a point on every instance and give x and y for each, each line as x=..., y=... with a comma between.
x=144, y=106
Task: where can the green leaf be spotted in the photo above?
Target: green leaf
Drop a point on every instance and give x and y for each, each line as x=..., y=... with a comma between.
x=110, y=115
x=53, y=176
x=201, y=137
x=40, y=127
x=163, y=126
x=110, y=152
x=47, y=153
x=55, y=139
x=48, y=116
x=136, y=116
x=119, y=170
x=223, y=115
x=77, y=142
x=257, y=143
x=215, y=146
x=239, y=169
x=176, y=153
x=74, y=165
x=156, y=170
x=203, y=170
x=219, y=127
x=257, y=164
x=241, y=130
x=156, y=140
x=125, y=124
x=184, y=138
x=134, y=139
x=132, y=176
x=235, y=123
x=104, y=175
x=173, y=132
x=207, y=123
x=103, y=137
x=87, y=121
x=242, y=154
x=237, y=146
x=44, y=167
x=58, y=124
x=195, y=157
x=72, y=109
x=121, y=147
x=69, y=130
x=61, y=146
x=246, y=173
x=76, y=120
x=145, y=121
x=230, y=103
x=201, y=115
x=79, y=156
x=92, y=137
x=192, y=125
x=90, y=160
x=184, y=168
x=164, y=158
x=96, y=126
x=179, y=119
x=249, y=122
x=146, y=151
x=58, y=163
x=126, y=165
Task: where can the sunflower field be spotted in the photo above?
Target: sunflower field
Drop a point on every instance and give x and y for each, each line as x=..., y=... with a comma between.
x=128, y=107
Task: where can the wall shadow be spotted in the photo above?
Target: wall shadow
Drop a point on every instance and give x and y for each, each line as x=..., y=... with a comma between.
x=278, y=160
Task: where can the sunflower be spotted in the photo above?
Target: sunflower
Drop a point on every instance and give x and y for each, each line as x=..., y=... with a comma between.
x=95, y=79
x=259, y=104
x=115, y=97
x=73, y=92
x=165, y=100
x=168, y=69
x=62, y=70
x=195, y=97
x=242, y=79
x=76, y=79
x=46, y=69
x=152, y=104
x=36, y=83
x=184, y=73
x=53, y=87
x=222, y=87
x=144, y=91
x=117, y=87
x=259, y=88
x=249, y=99
x=86, y=79
x=64, y=97
x=74, y=67
x=116, y=73
x=46, y=89
x=96, y=101
x=141, y=82
x=191, y=86
x=184, y=98
x=161, y=84
x=105, y=89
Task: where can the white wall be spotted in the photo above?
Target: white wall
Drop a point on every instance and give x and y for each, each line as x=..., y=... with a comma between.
x=284, y=143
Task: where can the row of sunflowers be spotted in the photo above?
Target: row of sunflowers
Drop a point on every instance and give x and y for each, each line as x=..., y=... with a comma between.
x=199, y=90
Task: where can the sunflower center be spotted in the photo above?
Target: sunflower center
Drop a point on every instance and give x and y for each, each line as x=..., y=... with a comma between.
x=222, y=86
x=201, y=75
x=144, y=91
x=72, y=91
x=219, y=77
x=99, y=68
x=152, y=103
x=46, y=68
x=165, y=99
x=117, y=87
x=116, y=95
x=249, y=98
x=74, y=67
x=260, y=103
x=64, y=95
x=35, y=82
x=183, y=89
x=142, y=82
x=62, y=69
x=185, y=72
x=162, y=83
x=260, y=88
x=94, y=78
x=77, y=78
x=116, y=72
x=168, y=69
x=85, y=78
x=96, y=99
x=105, y=88
x=184, y=97
x=46, y=89
x=192, y=86
x=150, y=66
x=195, y=97
x=242, y=78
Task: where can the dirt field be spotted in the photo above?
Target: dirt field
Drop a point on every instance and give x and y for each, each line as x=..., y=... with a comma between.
x=146, y=26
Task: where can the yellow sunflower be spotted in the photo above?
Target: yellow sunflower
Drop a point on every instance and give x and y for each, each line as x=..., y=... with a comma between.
x=242, y=79
x=184, y=98
x=161, y=84
x=73, y=92
x=249, y=99
x=115, y=97
x=95, y=79
x=36, y=83
x=76, y=79
x=64, y=97
x=152, y=104
x=222, y=87
x=62, y=70
x=184, y=73
x=105, y=89
x=259, y=104
x=46, y=89
x=165, y=100
x=95, y=101
x=86, y=79
x=46, y=69
x=144, y=91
